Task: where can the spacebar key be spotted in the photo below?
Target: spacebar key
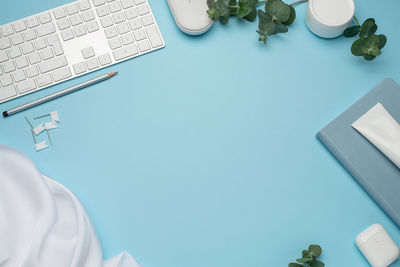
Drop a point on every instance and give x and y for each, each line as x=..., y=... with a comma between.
x=125, y=52
x=53, y=64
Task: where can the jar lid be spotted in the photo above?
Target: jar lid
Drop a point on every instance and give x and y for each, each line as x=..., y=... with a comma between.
x=329, y=18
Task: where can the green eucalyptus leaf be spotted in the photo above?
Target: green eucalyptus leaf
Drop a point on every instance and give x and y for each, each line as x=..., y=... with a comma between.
x=304, y=260
x=280, y=28
x=305, y=253
x=315, y=250
x=382, y=41
x=295, y=265
x=292, y=16
x=252, y=15
x=265, y=23
x=356, y=47
x=368, y=27
x=352, y=31
x=317, y=264
x=246, y=7
x=278, y=10
x=369, y=57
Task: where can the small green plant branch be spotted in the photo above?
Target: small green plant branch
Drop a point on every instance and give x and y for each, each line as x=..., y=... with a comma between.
x=276, y=16
x=309, y=258
x=369, y=44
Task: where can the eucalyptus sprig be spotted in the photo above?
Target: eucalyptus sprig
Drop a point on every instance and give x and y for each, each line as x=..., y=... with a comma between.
x=275, y=19
x=369, y=44
x=309, y=258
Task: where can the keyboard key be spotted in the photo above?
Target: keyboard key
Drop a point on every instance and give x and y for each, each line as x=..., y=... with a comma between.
x=131, y=13
x=139, y=35
x=27, y=48
x=88, y=15
x=127, y=39
x=32, y=71
x=20, y=26
x=92, y=63
x=32, y=22
x=52, y=39
x=105, y=59
x=5, y=43
x=72, y=9
x=26, y=86
x=53, y=64
x=30, y=35
x=102, y=11
x=138, y=2
x=19, y=75
x=45, y=29
x=92, y=26
x=44, y=18
x=147, y=20
x=88, y=52
x=125, y=52
x=114, y=7
x=47, y=53
x=76, y=19
x=63, y=24
x=115, y=43
x=21, y=62
x=106, y=22
x=58, y=50
x=34, y=58
x=79, y=68
x=14, y=52
x=7, y=30
x=98, y=2
x=59, y=13
x=143, y=9
x=67, y=35
x=8, y=66
x=7, y=92
x=3, y=56
x=123, y=28
x=40, y=44
x=84, y=5
x=6, y=80
x=17, y=39
x=154, y=36
x=144, y=46
x=127, y=3
x=61, y=74
x=44, y=80
x=111, y=32
x=79, y=30
x=119, y=17
x=135, y=24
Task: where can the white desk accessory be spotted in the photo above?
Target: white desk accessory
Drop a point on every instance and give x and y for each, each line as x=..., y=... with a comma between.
x=72, y=40
x=191, y=15
x=329, y=18
x=43, y=222
x=382, y=130
x=377, y=246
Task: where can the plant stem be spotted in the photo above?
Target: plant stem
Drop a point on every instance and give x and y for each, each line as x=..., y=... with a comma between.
x=261, y=2
x=298, y=2
x=356, y=20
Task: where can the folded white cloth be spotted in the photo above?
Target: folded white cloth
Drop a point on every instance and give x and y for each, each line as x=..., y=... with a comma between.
x=42, y=223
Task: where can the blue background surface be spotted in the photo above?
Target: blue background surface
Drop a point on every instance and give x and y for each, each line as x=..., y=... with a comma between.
x=204, y=153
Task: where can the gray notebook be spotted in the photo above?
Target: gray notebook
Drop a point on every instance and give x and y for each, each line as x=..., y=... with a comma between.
x=373, y=171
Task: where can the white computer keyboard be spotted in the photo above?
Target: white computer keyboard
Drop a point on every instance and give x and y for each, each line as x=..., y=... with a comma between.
x=72, y=40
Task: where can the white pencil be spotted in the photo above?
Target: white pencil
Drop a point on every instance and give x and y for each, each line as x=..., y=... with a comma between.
x=58, y=94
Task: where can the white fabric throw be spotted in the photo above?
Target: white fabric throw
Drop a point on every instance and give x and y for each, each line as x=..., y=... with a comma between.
x=42, y=223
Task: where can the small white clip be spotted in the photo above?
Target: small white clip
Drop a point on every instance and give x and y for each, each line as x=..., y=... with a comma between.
x=50, y=125
x=41, y=145
x=54, y=116
x=40, y=128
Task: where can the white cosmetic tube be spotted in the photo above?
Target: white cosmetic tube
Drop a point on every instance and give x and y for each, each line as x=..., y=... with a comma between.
x=382, y=130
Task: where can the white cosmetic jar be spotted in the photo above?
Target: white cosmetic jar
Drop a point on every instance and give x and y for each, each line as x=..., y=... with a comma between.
x=329, y=18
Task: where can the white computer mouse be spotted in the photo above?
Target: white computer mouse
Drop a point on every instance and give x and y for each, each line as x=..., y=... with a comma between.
x=191, y=15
